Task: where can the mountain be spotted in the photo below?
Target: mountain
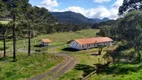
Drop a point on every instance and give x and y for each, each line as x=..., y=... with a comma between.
x=74, y=18
x=105, y=19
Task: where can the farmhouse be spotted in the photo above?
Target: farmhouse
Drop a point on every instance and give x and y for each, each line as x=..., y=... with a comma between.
x=87, y=43
x=45, y=42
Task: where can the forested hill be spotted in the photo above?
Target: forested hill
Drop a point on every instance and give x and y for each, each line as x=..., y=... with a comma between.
x=28, y=17
x=75, y=18
x=40, y=20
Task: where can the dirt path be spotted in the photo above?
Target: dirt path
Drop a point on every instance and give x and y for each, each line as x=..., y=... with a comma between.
x=57, y=71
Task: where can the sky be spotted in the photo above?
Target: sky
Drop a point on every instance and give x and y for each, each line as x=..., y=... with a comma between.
x=89, y=8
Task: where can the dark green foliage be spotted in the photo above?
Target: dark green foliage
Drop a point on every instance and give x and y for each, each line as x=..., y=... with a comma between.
x=130, y=26
x=130, y=5
x=36, y=19
x=108, y=23
x=71, y=27
x=130, y=29
x=2, y=8
x=15, y=7
x=108, y=29
x=105, y=31
x=87, y=69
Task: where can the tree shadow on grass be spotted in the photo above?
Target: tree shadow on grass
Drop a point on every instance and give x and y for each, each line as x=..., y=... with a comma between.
x=70, y=49
x=39, y=46
x=123, y=53
x=122, y=68
x=7, y=59
x=123, y=47
x=115, y=69
x=122, y=63
x=85, y=68
x=118, y=68
x=3, y=58
x=95, y=54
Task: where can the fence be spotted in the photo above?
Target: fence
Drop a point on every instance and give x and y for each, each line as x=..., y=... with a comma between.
x=88, y=76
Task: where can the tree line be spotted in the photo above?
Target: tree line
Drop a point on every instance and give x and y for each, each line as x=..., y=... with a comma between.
x=22, y=17
x=33, y=18
x=128, y=28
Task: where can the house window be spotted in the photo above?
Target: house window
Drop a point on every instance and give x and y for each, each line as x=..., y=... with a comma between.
x=82, y=46
x=94, y=44
x=88, y=45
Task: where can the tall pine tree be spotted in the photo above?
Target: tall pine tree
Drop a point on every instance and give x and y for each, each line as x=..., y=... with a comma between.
x=130, y=5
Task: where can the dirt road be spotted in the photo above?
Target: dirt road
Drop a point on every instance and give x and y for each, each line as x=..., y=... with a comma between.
x=58, y=70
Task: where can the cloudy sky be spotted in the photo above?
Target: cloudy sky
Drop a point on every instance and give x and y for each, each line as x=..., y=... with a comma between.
x=89, y=8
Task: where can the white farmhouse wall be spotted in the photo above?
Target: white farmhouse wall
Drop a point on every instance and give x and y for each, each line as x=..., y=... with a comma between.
x=41, y=43
x=44, y=44
x=75, y=45
x=105, y=43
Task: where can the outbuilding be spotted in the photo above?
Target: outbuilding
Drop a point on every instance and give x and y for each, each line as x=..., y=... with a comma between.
x=45, y=42
x=87, y=43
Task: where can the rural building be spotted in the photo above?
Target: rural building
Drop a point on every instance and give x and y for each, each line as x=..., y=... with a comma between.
x=45, y=42
x=87, y=43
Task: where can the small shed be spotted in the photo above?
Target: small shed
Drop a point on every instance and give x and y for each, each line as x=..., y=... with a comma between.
x=45, y=42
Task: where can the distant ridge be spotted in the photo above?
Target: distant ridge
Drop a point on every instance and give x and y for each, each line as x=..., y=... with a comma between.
x=75, y=18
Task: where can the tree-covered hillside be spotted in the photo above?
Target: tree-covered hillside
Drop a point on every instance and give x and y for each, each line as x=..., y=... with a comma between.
x=75, y=18
x=28, y=17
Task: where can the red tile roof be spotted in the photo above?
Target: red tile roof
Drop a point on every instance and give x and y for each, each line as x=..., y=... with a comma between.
x=45, y=40
x=93, y=40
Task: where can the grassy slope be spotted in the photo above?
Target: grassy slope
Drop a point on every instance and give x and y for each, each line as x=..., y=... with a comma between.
x=85, y=64
x=26, y=66
x=85, y=59
x=29, y=66
x=118, y=71
x=58, y=39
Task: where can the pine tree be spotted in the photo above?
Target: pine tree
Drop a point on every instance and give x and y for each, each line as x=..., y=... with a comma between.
x=130, y=5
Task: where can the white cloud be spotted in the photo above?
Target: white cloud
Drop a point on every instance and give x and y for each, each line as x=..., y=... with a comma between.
x=99, y=12
x=115, y=8
x=117, y=4
x=76, y=9
x=49, y=4
x=101, y=1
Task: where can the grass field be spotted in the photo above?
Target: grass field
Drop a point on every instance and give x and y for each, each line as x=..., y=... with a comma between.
x=59, y=40
x=26, y=66
x=116, y=71
x=86, y=60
